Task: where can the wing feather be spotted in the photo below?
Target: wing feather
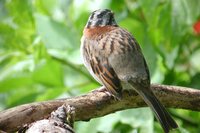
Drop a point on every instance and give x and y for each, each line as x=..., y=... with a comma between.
x=107, y=75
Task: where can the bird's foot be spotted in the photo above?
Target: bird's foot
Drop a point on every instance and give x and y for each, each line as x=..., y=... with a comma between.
x=104, y=90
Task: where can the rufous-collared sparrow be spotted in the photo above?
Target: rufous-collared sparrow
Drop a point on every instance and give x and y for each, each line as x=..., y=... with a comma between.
x=114, y=58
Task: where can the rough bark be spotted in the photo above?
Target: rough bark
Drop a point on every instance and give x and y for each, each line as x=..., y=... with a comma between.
x=97, y=104
x=60, y=121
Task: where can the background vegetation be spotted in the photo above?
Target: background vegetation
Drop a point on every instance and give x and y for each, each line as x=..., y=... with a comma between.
x=40, y=58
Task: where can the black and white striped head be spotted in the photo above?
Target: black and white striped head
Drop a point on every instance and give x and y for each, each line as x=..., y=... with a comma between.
x=101, y=17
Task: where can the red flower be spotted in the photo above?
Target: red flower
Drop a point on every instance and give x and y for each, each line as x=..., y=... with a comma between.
x=196, y=27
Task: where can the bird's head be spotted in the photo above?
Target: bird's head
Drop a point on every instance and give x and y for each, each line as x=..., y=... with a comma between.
x=100, y=18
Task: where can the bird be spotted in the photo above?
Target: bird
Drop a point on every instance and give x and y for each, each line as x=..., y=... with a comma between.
x=114, y=58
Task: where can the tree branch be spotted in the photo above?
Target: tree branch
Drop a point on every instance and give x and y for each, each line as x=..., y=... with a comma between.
x=97, y=104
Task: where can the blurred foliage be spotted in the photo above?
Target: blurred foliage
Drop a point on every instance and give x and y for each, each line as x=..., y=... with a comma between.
x=40, y=58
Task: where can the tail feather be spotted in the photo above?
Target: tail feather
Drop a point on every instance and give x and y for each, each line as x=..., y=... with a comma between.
x=159, y=110
x=161, y=113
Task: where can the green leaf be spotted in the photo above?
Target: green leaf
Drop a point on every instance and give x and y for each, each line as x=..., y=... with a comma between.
x=49, y=73
x=55, y=35
x=51, y=93
x=12, y=83
x=138, y=119
x=16, y=73
x=195, y=81
x=21, y=96
x=194, y=60
x=121, y=127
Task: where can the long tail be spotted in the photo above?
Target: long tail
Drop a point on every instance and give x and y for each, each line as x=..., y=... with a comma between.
x=159, y=110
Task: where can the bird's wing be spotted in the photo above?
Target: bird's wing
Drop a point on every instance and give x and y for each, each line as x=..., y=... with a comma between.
x=99, y=67
x=107, y=75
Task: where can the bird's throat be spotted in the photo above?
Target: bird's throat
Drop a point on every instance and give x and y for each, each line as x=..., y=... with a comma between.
x=94, y=32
